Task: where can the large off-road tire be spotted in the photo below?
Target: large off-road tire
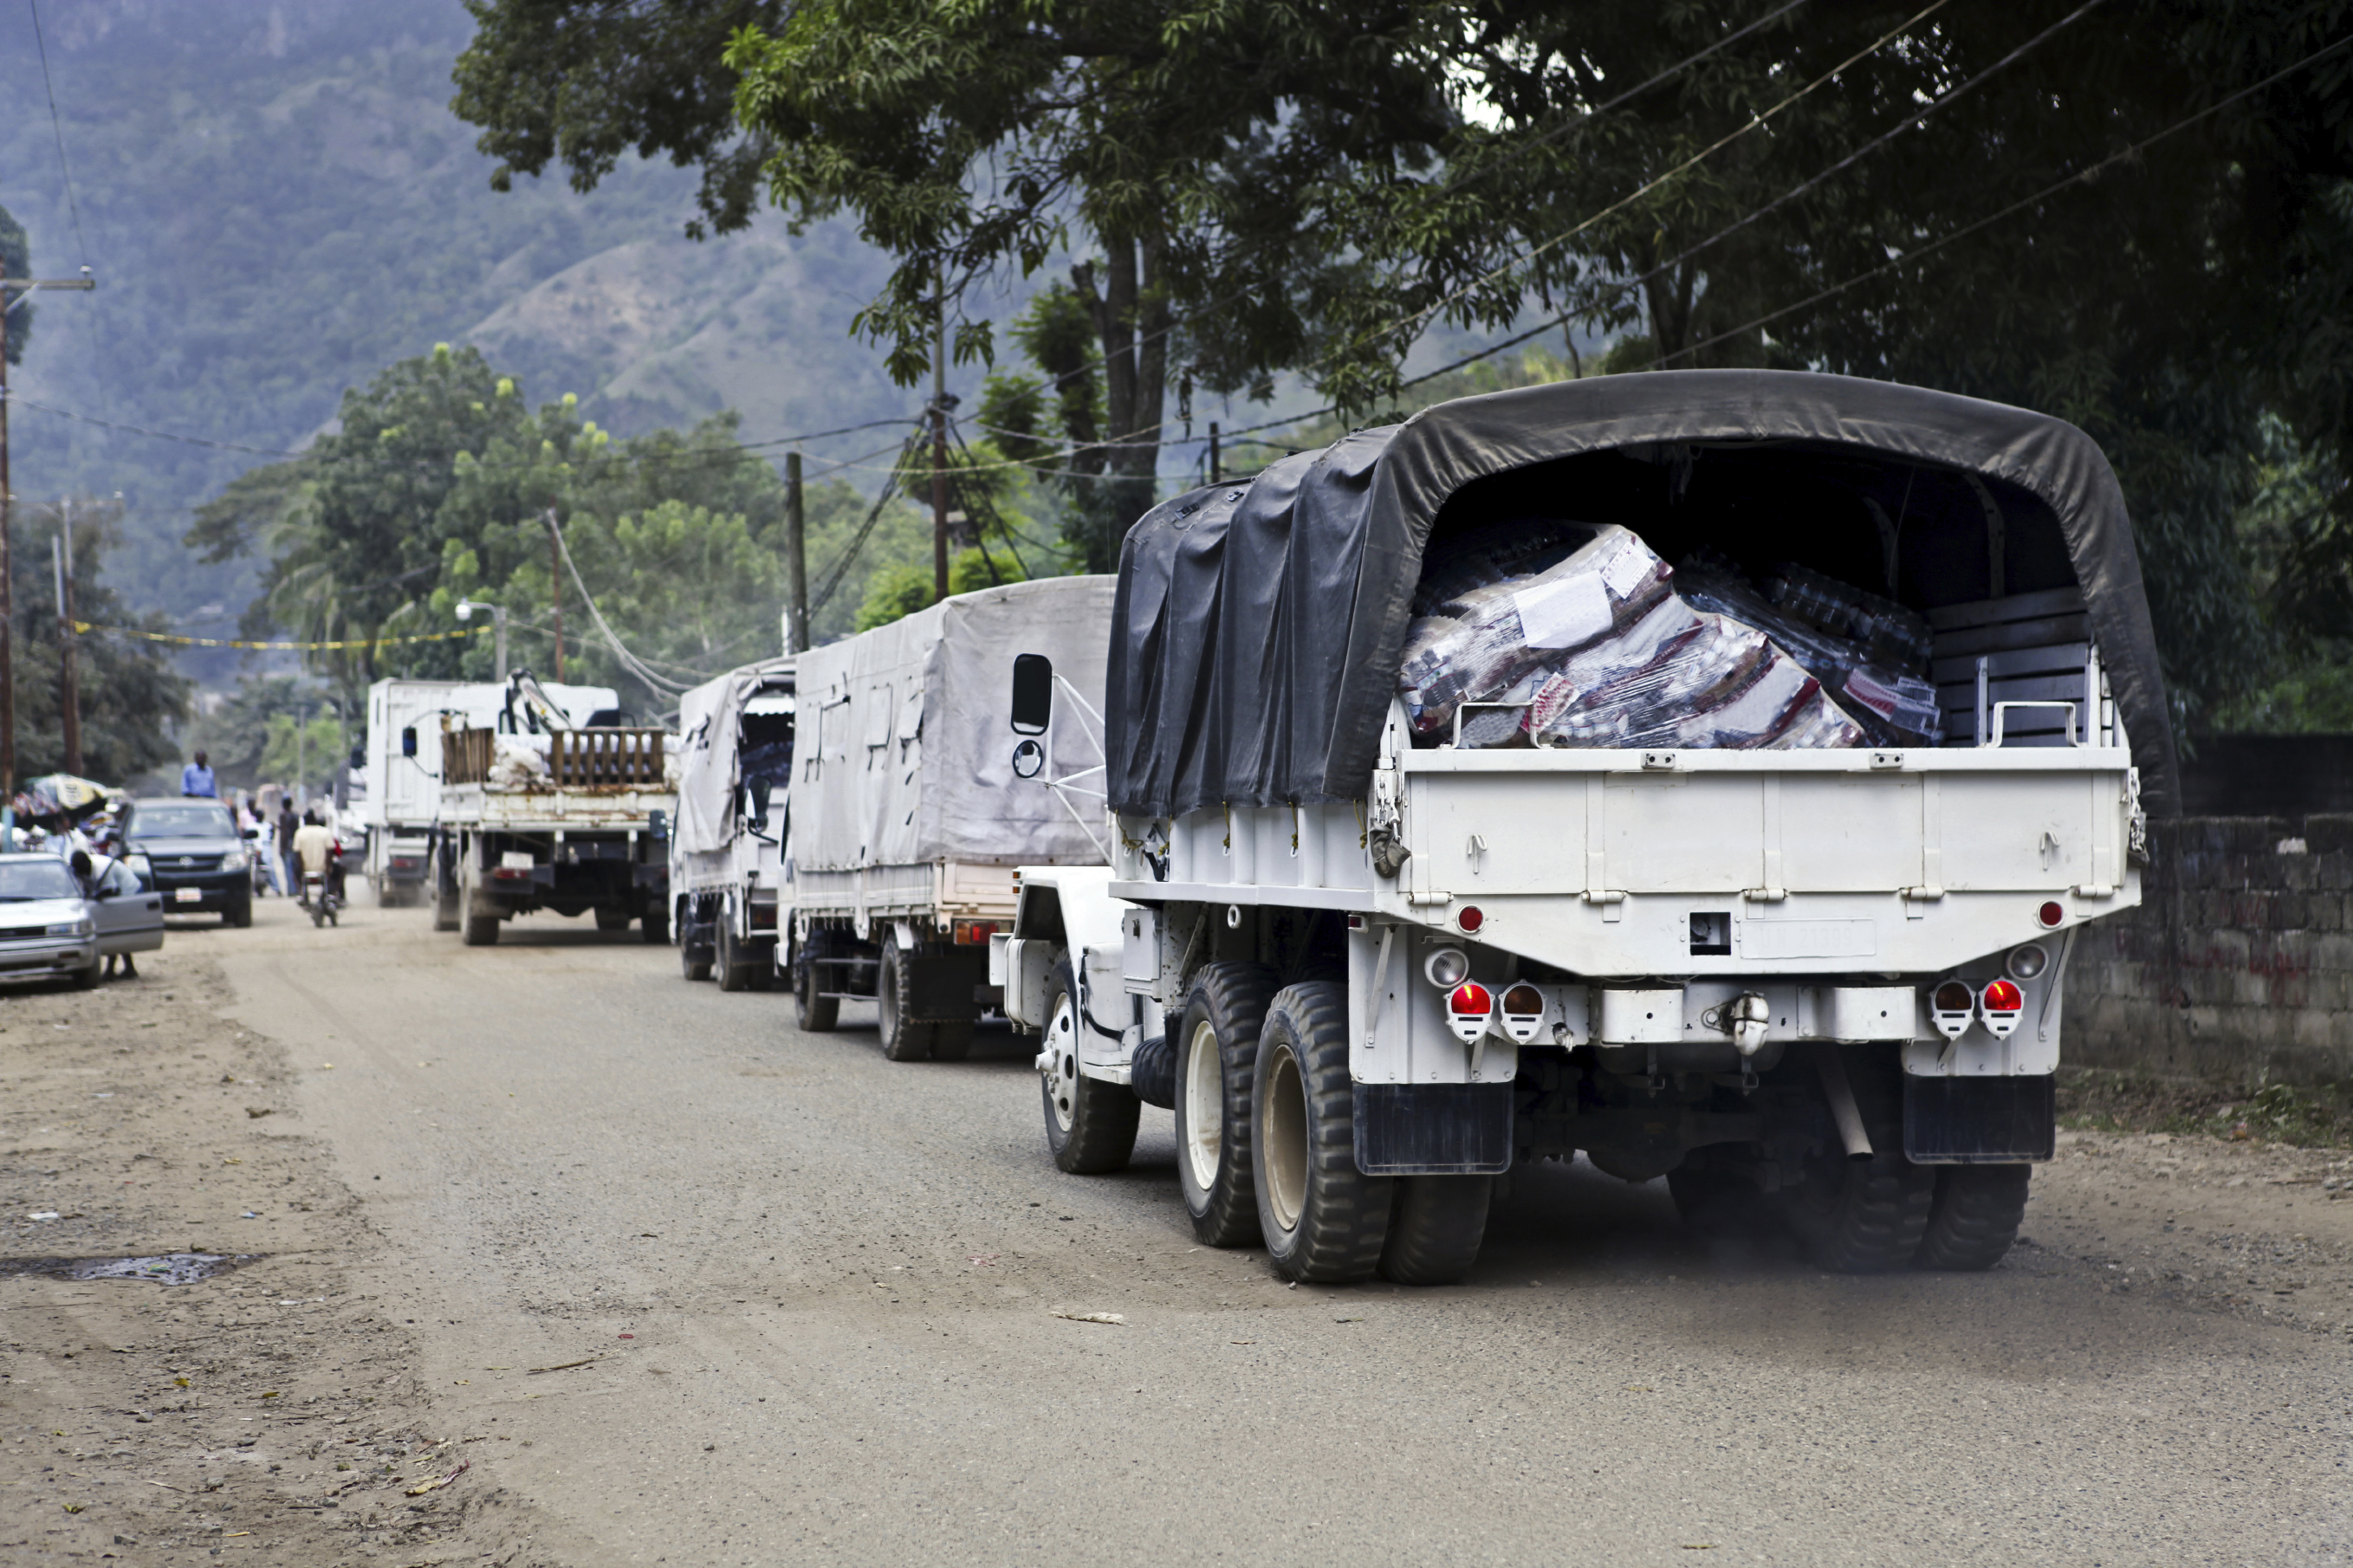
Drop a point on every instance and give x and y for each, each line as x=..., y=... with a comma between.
x=1217, y=1057
x=693, y=952
x=238, y=915
x=1436, y=1224
x=1090, y=1125
x=1863, y=1216
x=1322, y=1219
x=1976, y=1215
x=729, y=961
x=86, y=979
x=903, y=1038
x=815, y=1014
x=448, y=898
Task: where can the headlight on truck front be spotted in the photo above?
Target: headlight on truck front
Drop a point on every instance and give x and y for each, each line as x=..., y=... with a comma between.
x=236, y=860
x=72, y=928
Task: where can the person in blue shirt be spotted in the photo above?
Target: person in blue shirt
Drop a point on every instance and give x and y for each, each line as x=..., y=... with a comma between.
x=197, y=779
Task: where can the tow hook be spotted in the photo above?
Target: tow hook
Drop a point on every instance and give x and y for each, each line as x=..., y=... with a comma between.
x=1743, y=1019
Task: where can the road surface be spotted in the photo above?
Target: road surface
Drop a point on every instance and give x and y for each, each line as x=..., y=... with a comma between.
x=815, y=1293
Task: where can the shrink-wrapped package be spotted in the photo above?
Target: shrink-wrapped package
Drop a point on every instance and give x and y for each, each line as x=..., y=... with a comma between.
x=1597, y=649
x=1872, y=653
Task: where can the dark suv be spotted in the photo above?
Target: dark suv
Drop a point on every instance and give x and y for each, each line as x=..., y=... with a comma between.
x=190, y=851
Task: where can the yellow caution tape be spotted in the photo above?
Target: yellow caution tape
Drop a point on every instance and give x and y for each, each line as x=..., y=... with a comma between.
x=283, y=646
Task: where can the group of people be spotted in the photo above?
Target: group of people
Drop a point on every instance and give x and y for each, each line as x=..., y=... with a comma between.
x=288, y=846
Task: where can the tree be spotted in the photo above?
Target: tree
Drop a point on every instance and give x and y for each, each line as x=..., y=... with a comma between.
x=15, y=261
x=130, y=696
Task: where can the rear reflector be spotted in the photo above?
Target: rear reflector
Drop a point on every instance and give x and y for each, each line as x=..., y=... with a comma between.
x=2052, y=912
x=1469, y=918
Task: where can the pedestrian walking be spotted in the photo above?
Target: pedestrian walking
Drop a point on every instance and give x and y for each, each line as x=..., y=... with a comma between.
x=288, y=825
x=197, y=778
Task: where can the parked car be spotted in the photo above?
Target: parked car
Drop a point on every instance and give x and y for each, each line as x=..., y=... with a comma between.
x=192, y=853
x=129, y=916
x=47, y=928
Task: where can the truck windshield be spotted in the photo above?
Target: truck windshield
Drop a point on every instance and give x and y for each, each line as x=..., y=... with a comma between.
x=21, y=881
x=183, y=822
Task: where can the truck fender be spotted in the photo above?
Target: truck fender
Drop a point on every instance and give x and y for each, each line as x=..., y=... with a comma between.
x=908, y=941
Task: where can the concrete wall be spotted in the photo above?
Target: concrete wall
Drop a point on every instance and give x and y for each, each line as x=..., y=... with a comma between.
x=2238, y=964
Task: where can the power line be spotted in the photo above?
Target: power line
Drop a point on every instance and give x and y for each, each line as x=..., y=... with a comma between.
x=73, y=205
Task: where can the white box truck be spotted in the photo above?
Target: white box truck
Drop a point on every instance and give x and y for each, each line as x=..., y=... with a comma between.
x=401, y=798
x=538, y=813
x=1428, y=864
x=726, y=842
x=914, y=798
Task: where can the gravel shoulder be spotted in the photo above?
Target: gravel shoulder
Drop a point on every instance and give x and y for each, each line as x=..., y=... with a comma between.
x=272, y=1406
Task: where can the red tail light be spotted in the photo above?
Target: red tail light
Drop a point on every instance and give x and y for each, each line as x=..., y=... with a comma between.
x=1469, y=1000
x=2004, y=997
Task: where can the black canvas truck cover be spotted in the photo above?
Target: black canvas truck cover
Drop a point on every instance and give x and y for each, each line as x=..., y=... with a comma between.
x=1258, y=626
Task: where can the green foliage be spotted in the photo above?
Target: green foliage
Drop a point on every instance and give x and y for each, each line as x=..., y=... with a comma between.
x=237, y=734
x=130, y=696
x=15, y=261
x=896, y=592
x=295, y=750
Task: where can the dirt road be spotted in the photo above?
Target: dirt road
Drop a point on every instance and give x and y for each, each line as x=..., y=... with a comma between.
x=796, y=1303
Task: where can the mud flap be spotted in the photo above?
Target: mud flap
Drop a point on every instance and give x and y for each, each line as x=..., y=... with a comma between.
x=1433, y=1129
x=941, y=984
x=1979, y=1121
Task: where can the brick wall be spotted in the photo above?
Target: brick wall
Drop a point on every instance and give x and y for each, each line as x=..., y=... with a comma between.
x=2238, y=964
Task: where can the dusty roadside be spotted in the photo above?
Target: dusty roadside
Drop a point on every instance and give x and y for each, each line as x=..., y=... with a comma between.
x=269, y=1409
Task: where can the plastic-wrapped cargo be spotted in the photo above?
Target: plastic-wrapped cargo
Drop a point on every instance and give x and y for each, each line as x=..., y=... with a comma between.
x=1872, y=653
x=1597, y=649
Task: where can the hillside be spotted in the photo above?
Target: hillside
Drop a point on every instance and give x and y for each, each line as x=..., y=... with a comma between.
x=278, y=203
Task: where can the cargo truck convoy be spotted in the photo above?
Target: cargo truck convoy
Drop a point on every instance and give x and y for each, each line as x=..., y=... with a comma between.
x=851, y=817
x=538, y=813
x=1705, y=773
x=402, y=767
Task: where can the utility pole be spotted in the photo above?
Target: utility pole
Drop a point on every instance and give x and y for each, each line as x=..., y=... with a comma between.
x=556, y=580
x=796, y=626
x=24, y=288
x=1217, y=474
x=68, y=691
x=940, y=448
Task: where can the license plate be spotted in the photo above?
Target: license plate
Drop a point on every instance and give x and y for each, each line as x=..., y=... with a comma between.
x=187, y=894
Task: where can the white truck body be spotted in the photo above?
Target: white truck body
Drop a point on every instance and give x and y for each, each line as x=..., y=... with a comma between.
x=1824, y=983
x=727, y=843
x=401, y=769
x=538, y=813
x=913, y=799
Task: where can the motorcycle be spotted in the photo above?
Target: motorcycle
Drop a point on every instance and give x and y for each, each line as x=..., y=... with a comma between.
x=320, y=897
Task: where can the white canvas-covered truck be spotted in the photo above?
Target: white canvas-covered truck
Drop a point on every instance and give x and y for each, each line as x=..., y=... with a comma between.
x=1457, y=830
x=402, y=768
x=727, y=843
x=538, y=813
x=914, y=795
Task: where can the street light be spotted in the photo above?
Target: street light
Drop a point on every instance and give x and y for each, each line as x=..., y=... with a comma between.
x=466, y=608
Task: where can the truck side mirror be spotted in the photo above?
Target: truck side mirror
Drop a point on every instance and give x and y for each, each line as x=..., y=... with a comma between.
x=1033, y=693
x=409, y=741
x=658, y=824
x=759, y=787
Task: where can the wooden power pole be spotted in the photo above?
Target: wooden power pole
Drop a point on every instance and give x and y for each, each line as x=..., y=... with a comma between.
x=796, y=626
x=555, y=582
x=68, y=691
x=23, y=287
